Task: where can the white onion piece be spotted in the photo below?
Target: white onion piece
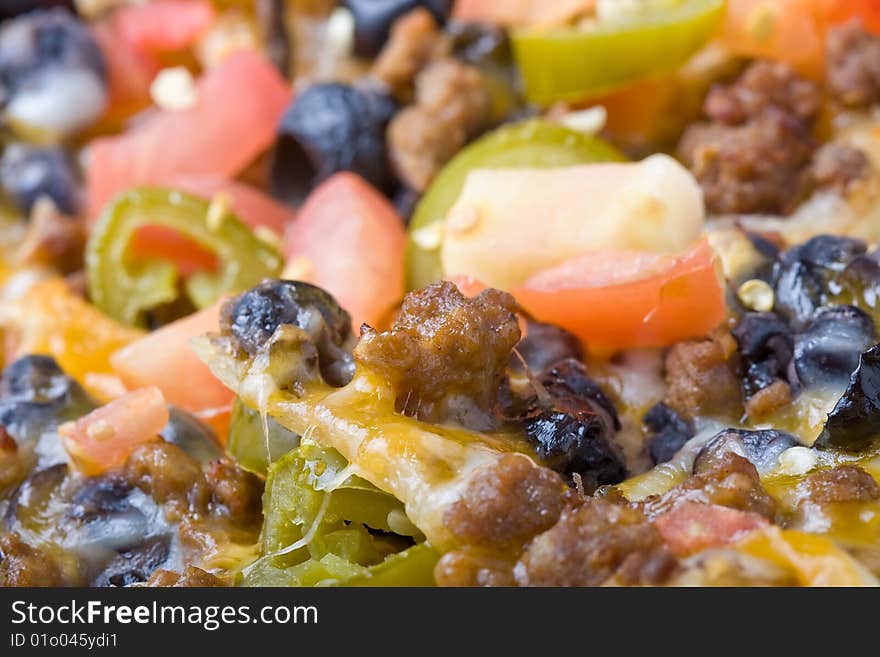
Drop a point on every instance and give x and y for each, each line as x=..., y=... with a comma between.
x=528, y=220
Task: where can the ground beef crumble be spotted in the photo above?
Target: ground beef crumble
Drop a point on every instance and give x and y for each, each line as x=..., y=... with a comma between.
x=169, y=475
x=513, y=521
x=25, y=565
x=235, y=491
x=190, y=577
x=173, y=478
x=414, y=39
x=753, y=167
x=53, y=239
x=447, y=101
x=833, y=493
x=845, y=483
x=451, y=106
x=756, y=154
x=853, y=65
x=445, y=353
x=726, y=479
x=471, y=566
x=838, y=166
x=506, y=503
x=701, y=377
x=601, y=541
x=762, y=86
x=767, y=400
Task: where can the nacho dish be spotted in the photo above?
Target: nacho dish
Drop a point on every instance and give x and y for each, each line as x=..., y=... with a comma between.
x=366, y=293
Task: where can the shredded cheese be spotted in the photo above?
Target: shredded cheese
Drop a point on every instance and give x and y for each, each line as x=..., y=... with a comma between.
x=427, y=467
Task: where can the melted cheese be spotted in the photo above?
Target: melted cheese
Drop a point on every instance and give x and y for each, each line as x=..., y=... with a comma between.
x=426, y=466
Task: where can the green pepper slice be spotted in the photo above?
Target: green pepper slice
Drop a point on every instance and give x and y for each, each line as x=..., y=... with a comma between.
x=569, y=64
x=341, y=548
x=411, y=567
x=295, y=494
x=329, y=569
x=248, y=443
x=534, y=143
x=124, y=287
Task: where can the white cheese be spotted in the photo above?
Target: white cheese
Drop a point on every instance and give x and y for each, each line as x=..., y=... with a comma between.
x=797, y=461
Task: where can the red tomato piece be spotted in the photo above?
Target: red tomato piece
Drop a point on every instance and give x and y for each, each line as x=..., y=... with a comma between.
x=691, y=526
x=104, y=439
x=233, y=121
x=467, y=285
x=165, y=359
x=249, y=204
x=164, y=25
x=163, y=243
x=133, y=36
x=629, y=299
x=129, y=70
x=791, y=31
x=835, y=12
x=349, y=240
x=784, y=30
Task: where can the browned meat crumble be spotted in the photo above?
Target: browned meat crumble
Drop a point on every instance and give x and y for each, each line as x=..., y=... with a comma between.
x=506, y=504
x=414, y=40
x=174, y=479
x=25, y=565
x=757, y=153
x=451, y=106
x=701, y=377
x=445, y=353
x=845, y=483
x=764, y=85
x=190, y=577
x=593, y=543
x=769, y=400
x=837, y=166
x=726, y=479
x=853, y=57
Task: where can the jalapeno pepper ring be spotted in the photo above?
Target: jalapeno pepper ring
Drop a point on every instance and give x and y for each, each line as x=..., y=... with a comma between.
x=125, y=287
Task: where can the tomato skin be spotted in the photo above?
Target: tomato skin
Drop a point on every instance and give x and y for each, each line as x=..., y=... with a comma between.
x=164, y=25
x=105, y=438
x=691, y=526
x=681, y=297
x=253, y=207
x=840, y=11
x=164, y=359
x=215, y=138
x=129, y=71
x=349, y=240
x=162, y=243
x=791, y=31
x=133, y=37
x=467, y=285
